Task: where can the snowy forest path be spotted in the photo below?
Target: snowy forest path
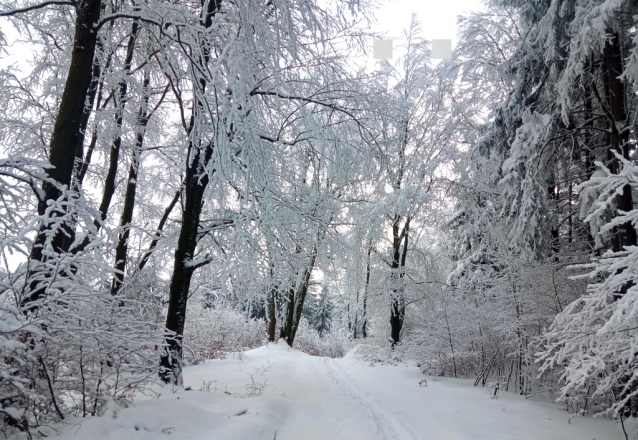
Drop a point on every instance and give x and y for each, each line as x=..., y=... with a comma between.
x=387, y=426
x=277, y=393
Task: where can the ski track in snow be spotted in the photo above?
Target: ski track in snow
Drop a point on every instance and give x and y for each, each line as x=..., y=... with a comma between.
x=387, y=426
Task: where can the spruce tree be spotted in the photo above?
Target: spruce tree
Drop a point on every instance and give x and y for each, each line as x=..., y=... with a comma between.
x=323, y=318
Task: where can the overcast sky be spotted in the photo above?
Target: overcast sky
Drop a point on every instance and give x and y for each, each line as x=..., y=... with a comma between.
x=438, y=17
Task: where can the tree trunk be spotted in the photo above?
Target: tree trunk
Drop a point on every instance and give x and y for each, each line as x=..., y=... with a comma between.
x=356, y=317
x=553, y=195
x=66, y=137
x=195, y=185
x=397, y=305
x=449, y=333
x=272, y=325
x=120, y=104
x=158, y=232
x=287, y=314
x=364, y=324
x=79, y=149
x=114, y=158
x=129, y=199
x=300, y=297
x=619, y=140
x=89, y=153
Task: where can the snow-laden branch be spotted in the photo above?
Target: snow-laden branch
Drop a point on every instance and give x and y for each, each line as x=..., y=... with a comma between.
x=8, y=13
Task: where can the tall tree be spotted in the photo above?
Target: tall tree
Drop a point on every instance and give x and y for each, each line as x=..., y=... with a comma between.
x=66, y=138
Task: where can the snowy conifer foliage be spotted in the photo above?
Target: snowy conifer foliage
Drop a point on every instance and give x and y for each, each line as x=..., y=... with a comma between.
x=595, y=336
x=559, y=152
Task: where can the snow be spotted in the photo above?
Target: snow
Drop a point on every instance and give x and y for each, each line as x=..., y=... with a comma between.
x=308, y=398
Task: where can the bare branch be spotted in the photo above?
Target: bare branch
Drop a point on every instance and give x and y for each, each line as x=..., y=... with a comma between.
x=38, y=6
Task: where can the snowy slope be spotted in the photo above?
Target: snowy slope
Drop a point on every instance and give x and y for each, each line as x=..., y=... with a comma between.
x=309, y=398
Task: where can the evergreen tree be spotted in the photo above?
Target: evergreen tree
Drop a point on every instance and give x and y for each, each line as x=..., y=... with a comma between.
x=310, y=308
x=323, y=317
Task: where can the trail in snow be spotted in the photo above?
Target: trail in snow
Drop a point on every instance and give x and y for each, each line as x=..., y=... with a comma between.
x=387, y=426
x=312, y=398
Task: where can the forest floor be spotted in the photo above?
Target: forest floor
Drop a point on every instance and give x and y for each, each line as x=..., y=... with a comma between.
x=301, y=397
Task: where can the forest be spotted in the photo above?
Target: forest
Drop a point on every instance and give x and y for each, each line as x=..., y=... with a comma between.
x=184, y=180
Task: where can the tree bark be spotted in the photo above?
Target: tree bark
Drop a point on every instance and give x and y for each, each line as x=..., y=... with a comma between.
x=300, y=297
x=397, y=304
x=79, y=150
x=67, y=133
x=89, y=153
x=114, y=157
x=129, y=199
x=364, y=324
x=272, y=325
x=120, y=104
x=195, y=184
x=619, y=140
x=158, y=232
x=287, y=316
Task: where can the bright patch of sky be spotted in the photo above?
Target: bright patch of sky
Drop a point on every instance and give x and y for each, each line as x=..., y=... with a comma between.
x=438, y=19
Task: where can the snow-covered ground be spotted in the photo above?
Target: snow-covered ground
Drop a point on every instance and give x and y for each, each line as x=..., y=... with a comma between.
x=307, y=398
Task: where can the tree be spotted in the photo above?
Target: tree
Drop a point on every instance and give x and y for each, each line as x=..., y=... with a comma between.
x=552, y=157
x=310, y=308
x=323, y=317
x=234, y=122
x=418, y=135
x=591, y=341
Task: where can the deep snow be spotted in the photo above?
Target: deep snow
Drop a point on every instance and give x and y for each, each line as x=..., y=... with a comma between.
x=309, y=398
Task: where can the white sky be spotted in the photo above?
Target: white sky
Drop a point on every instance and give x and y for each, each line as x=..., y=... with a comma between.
x=437, y=17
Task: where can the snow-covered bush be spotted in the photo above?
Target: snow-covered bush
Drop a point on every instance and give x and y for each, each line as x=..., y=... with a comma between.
x=72, y=356
x=311, y=341
x=212, y=333
x=67, y=346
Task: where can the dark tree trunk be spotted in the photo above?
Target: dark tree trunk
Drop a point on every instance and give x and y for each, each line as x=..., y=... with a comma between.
x=300, y=297
x=195, y=182
x=397, y=305
x=590, y=157
x=364, y=331
x=272, y=325
x=120, y=104
x=76, y=182
x=79, y=150
x=625, y=234
x=94, y=135
x=570, y=213
x=114, y=158
x=67, y=136
x=129, y=199
x=297, y=296
x=288, y=314
x=356, y=318
x=195, y=185
x=553, y=195
x=451, y=341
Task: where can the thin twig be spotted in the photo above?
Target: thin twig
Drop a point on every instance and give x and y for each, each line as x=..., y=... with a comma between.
x=55, y=402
